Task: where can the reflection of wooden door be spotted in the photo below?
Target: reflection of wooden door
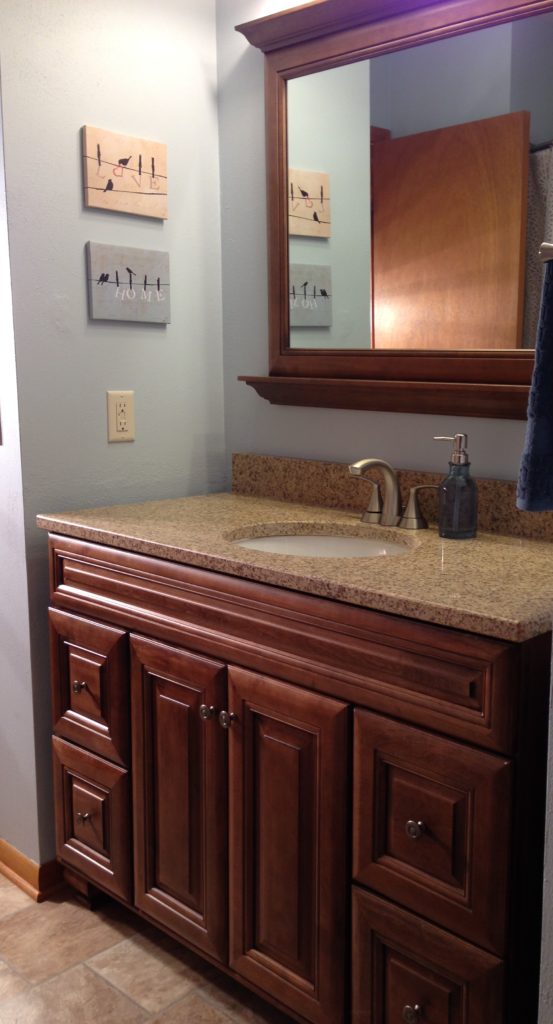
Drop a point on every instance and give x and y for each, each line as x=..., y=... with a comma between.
x=449, y=227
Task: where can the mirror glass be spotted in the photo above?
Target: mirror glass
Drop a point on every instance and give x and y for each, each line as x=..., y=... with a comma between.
x=413, y=197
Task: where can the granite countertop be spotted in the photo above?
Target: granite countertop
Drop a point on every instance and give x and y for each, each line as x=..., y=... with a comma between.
x=495, y=585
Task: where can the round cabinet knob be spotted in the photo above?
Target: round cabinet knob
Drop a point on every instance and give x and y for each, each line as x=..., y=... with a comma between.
x=206, y=712
x=78, y=686
x=83, y=816
x=412, y=1014
x=415, y=829
x=226, y=718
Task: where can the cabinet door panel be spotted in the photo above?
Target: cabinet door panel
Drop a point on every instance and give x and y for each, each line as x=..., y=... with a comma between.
x=180, y=795
x=432, y=826
x=405, y=969
x=90, y=686
x=288, y=819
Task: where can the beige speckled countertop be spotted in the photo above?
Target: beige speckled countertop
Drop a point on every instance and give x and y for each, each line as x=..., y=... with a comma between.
x=496, y=585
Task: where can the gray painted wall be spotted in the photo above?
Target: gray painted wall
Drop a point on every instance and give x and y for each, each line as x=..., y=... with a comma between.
x=482, y=74
x=17, y=760
x=467, y=78
x=328, y=131
x=152, y=74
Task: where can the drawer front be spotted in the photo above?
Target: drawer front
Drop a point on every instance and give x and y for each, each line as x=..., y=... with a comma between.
x=405, y=971
x=92, y=817
x=432, y=823
x=90, y=685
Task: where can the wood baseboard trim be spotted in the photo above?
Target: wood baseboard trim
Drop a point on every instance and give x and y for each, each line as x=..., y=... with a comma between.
x=39, y=881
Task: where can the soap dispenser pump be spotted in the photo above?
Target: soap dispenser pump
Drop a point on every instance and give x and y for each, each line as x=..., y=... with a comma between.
x=458, y=494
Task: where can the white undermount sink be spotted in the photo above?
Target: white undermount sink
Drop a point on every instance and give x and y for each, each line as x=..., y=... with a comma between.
x=324, y=545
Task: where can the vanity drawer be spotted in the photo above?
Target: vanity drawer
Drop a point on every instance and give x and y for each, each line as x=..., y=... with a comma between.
x=90, y=684
x=92, y=817
x=406, y=971
x=432, y=826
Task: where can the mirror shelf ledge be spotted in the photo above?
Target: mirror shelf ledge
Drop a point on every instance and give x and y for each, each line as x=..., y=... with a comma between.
x=498, y=401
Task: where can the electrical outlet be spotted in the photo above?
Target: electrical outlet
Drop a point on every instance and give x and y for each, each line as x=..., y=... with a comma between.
x=120, y=415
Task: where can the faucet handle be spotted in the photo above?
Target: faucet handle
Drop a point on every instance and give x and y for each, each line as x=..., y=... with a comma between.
x=374, y=509
x=412, y=518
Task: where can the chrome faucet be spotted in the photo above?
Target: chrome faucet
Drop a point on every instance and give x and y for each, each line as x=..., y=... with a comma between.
x=391, y=509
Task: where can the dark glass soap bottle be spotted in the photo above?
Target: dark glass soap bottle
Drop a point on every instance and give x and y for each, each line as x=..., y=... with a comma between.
x=458, y=494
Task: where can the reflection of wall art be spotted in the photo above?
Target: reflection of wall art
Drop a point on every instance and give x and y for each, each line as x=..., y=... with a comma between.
x=308, y=203
x=128, y=284
x=310, y=296
x=124, y=173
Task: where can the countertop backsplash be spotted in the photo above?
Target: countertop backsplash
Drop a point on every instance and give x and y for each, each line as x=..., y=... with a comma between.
x=329, y=484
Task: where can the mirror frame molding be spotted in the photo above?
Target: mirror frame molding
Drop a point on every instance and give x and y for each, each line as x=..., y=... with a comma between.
x=324, y=34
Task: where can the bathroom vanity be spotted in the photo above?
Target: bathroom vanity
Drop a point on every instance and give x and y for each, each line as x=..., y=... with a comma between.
x=325, y=775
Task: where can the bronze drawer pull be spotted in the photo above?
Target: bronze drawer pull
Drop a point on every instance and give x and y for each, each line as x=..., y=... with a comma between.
x=207, y=711
x=226, y=718
x=78, y=686
x=415, y=829
x=412, y=1014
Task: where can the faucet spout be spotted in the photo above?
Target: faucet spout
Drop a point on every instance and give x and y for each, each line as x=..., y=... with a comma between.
x=391, y=510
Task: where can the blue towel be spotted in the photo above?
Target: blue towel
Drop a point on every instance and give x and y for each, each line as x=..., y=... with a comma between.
x=535, y=481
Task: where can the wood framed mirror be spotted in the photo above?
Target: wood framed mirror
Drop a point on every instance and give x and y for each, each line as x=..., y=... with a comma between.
x=482, y=381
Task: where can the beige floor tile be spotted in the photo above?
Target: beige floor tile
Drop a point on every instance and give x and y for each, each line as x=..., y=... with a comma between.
x=77, y=995
x=240, y=1004
x=12, y=899
x=152, y=969
x=49, y=937
x=11, y=984
x=192, y=1010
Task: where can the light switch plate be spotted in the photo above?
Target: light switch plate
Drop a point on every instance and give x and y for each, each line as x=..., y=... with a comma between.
x=120, y=416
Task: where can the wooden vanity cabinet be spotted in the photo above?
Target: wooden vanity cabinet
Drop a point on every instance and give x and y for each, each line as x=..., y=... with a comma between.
x=343, y=809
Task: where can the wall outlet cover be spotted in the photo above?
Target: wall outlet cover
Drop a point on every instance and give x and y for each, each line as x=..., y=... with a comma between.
x=120, y=416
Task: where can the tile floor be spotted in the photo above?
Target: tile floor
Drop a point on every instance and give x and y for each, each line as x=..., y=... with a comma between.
x=63, y=964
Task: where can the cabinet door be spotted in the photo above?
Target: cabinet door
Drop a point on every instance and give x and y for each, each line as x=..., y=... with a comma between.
x=180, y=798
x=406, y=970
x=288, y=819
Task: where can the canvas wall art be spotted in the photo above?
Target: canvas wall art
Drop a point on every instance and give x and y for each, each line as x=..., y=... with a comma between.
x=124, y=173
x=310, y=296
x=308, y=203
x=128, y=284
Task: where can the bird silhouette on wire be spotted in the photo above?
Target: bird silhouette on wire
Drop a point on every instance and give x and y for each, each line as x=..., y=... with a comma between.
x=109, y=186
x=123, y=162
x=103, y=279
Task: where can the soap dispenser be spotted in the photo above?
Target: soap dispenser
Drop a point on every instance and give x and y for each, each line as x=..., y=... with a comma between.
x=458, y=494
